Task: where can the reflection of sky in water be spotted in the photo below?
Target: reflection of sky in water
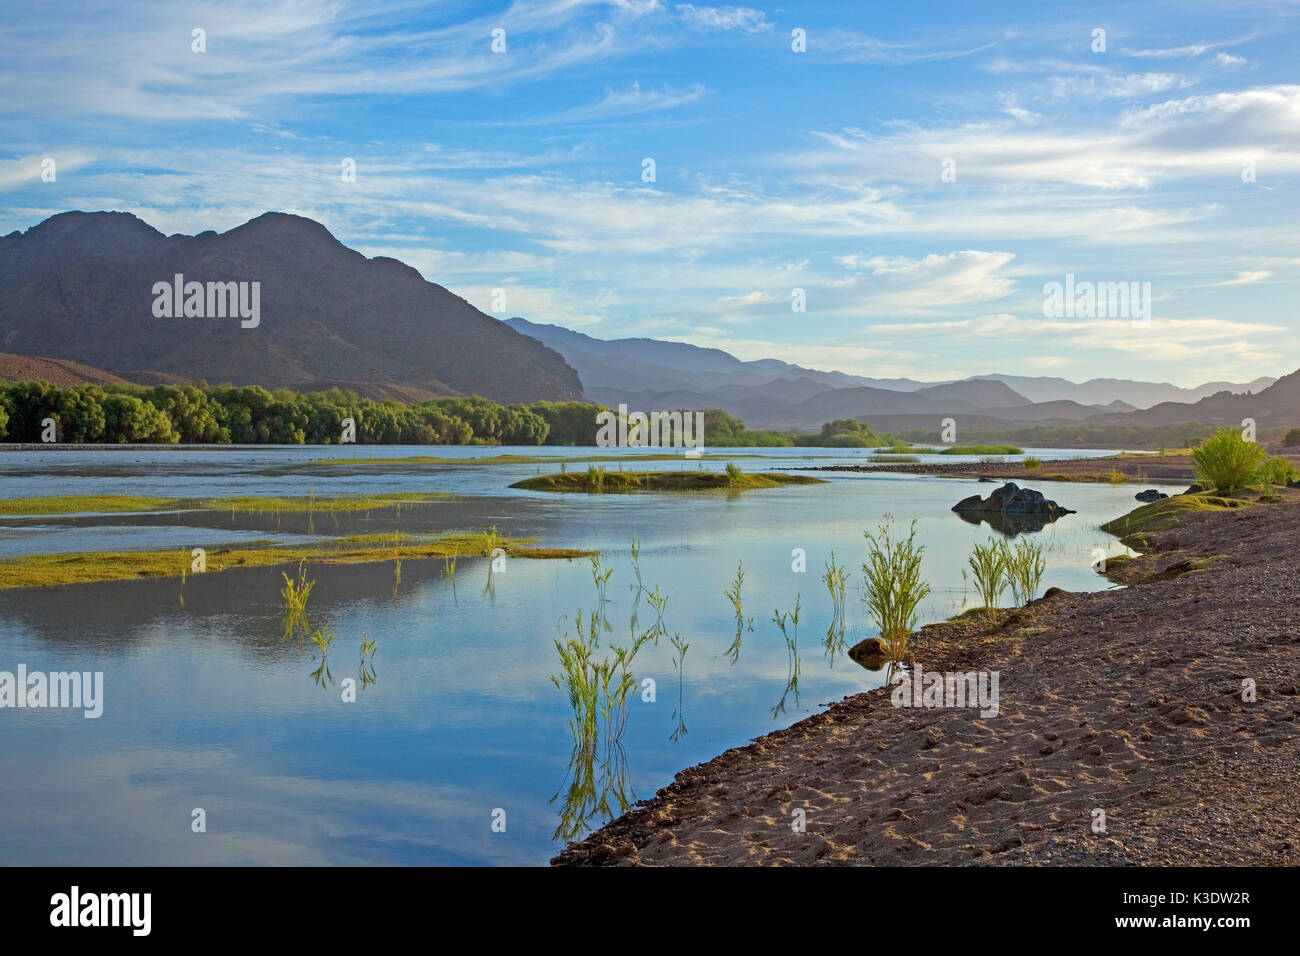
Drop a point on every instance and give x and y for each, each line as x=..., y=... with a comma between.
x=208, y=705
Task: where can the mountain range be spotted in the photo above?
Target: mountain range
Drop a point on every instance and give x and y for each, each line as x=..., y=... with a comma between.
x=652, y=374
x=80, y=287
x=79, y=301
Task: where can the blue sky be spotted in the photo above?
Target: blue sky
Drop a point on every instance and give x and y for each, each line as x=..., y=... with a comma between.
x=522, y=170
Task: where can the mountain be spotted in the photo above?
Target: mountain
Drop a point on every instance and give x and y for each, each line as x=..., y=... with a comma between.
x=1104, y=391
x=79, y=287
x=28, y=368
x=1278, y=404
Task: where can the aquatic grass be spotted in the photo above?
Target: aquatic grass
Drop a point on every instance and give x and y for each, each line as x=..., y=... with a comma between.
x=788, y=623
x=988, y=568
x=1025, y=564
x=296, y=593
x=836, y=579
x=732, y=594
x=734, y=473
x=893, y=588
x=661, y=481
x=600, y=576
x=1032, y=463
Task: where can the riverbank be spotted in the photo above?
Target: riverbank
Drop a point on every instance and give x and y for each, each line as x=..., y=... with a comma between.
x=1128, y=702
x=1119, y=469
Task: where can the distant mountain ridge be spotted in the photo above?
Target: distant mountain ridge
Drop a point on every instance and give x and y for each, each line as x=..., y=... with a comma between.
x=78, y=287
x=648, y=373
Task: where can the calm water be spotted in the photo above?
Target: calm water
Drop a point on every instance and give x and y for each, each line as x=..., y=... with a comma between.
x=208, y=705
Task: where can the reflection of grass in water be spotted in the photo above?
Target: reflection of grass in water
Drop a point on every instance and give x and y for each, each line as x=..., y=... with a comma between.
x=597, y=688
x=323, y=638
x=678, y=714
x=600, y=576
x=295, y=595
x=836, y=580
x=737, y=605
x=367, y=674
x=788, y=622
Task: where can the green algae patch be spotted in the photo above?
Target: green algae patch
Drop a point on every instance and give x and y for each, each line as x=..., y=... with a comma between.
x=47, y=570
x=120, y=504
x=627, y=482
x=1132, y=528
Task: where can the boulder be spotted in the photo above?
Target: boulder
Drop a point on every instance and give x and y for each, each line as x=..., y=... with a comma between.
x=1150, y=495
x=871, y=653
x=1011, y=499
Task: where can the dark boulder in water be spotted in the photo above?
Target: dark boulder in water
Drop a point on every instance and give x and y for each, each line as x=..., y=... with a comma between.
x=1011, y=499
x=1150, y=495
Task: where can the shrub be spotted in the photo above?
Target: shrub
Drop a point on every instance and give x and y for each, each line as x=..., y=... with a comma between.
x=1033, y=463
x=1225, y=460
x=733, y=472
x=1276, y=470
x=1291, y=439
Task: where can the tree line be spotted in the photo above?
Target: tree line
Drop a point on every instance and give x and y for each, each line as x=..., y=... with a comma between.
x=250, y=414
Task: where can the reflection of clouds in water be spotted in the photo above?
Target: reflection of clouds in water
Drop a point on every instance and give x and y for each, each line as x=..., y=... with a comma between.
x=139, y=803
x=465, y=699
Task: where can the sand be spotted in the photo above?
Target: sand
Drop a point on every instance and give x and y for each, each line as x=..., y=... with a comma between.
x=1128, y=701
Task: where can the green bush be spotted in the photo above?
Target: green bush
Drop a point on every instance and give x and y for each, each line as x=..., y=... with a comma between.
x=1225, y=460
x=1276, y=470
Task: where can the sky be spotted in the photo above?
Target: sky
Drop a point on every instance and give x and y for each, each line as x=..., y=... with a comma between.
x=921, y=171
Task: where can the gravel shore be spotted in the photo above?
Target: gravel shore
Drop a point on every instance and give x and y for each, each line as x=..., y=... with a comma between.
x=1129, y=702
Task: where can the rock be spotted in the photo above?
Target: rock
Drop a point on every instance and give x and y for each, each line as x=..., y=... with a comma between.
x=1150, y=495
x=1014, y=500
x=1193, y=490
x=871, y=653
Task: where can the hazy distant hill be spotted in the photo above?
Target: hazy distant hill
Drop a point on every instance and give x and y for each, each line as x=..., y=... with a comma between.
x=79, y=285
x=650, y=374
x=1103, y=391
x=1278, y=404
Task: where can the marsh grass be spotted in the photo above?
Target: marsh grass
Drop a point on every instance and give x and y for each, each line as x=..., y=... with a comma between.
x=294, y=595
x=1033, y=463
x=892, y=585
x=836, y=579
x=788, y=623
x=988, y=569
x=597, y=688
x=732, y=594
x=1025, y=564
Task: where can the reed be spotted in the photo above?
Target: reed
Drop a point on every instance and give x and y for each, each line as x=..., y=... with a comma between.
x=988, y=568
x=1025, y=564
x=893, y=588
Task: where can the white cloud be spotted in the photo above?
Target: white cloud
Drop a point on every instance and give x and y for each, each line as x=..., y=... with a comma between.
x=745, y=19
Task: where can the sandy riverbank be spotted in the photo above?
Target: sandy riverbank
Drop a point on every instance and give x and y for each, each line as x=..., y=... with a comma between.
x=1128, y=701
